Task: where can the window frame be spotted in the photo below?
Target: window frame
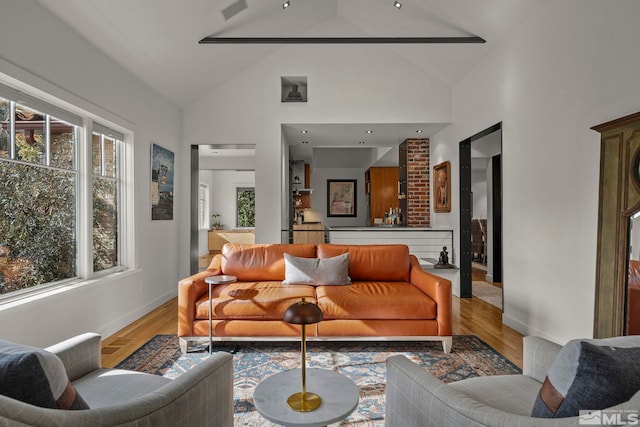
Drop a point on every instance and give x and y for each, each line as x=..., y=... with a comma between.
x=204, y=222
x=85, y=124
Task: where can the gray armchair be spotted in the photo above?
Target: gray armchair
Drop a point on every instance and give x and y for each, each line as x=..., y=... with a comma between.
x=202, y=396
x=415, y=398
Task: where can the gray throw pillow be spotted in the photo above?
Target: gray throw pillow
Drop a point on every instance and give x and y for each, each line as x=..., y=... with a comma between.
x=316, y=271
x=36, y=376
x=590, y=375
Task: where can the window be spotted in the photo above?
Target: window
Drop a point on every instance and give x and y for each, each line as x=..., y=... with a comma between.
x=246, y=207
x=105, y=190
x=41, y=183
x=203, y=206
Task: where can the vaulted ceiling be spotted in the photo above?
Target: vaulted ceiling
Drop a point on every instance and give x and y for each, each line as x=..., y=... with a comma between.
x=158, y=39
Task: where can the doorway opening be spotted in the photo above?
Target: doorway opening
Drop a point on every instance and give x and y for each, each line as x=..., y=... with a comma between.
x=481, y=216
x=222, y=199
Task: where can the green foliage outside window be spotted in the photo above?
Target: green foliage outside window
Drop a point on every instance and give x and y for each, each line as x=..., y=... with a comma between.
x=105, y=244
x=246, y=207
x=37, y=222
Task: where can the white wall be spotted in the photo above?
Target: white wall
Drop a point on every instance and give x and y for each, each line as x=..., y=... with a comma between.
x=54, y=59
x=567, y=68
x=223, y=193
x=340, y=81
x=479, y=190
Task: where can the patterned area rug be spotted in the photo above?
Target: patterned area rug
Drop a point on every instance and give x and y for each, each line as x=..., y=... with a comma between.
x=363, y=362
x=487, y=292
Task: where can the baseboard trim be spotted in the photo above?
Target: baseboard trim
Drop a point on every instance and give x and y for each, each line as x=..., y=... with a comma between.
x=132, y=316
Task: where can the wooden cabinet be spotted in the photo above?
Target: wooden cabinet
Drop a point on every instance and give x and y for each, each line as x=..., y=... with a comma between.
x=217, y=238
x=308, y=233
x=381, y=184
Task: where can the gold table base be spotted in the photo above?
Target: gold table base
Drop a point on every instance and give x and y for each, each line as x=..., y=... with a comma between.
x=304, y=401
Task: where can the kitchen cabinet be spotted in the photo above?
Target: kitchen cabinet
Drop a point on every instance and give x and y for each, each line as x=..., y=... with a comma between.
x=308, y=233
x=217, y=238
x=381, y=184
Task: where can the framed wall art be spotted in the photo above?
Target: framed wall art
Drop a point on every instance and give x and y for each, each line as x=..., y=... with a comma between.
x=342, y=197
x=162, y=168
x=442, y=187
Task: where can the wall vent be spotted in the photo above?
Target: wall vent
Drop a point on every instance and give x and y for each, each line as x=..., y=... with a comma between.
x=233, y=9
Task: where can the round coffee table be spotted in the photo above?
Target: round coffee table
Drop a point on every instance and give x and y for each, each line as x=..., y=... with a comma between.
x=338, y=393
x=211, y=281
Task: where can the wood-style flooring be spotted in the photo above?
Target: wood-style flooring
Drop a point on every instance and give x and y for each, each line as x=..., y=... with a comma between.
x=471, y=316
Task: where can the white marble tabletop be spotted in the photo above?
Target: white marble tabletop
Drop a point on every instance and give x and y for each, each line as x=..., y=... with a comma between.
x=338, y=393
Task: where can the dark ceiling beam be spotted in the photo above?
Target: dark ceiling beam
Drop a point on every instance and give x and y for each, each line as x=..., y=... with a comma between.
x=340, y=40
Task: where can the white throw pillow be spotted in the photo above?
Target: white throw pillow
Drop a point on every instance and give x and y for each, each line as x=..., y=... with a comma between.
x=316, y=271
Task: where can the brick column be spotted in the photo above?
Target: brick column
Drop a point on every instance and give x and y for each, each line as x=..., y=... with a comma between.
x=418, y=183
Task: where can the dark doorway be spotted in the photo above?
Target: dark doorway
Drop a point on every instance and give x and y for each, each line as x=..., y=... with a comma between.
x=487, y=147
x=193, y=232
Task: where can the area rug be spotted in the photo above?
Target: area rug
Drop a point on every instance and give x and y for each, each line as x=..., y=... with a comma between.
x=363, y=362
x=487, y=292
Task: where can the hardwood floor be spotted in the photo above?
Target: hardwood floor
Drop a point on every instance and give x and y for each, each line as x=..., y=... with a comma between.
x=471, y=316
x=162, y=320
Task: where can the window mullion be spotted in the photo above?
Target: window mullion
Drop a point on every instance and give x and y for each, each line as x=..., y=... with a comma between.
x=85, y=202
x=47, y=140
x=12, y=130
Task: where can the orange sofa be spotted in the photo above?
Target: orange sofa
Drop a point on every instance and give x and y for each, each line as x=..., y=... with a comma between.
x=390, y=298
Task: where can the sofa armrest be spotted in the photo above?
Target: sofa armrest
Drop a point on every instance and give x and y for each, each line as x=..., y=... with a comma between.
x=80, y=355
x=538, y=355
x=439, y=289
x=189, y=290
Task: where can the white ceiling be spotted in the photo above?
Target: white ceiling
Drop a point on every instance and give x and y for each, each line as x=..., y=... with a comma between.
x=157, y=40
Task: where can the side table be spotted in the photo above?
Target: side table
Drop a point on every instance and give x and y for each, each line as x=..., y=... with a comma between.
x=211, y=281
x=338, y=393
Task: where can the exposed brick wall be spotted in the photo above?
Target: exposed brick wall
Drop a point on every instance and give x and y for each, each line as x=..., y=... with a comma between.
x=418, y=184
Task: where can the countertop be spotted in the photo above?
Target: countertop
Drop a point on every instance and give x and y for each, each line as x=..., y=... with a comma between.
x=382, y=228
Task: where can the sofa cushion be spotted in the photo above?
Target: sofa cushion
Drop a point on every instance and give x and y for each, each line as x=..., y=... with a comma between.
x=389, y=263
x=266, y=300
x=590, y=374
x=255, y=262
x=36, y=376
x=375, y=300
x=316, y=271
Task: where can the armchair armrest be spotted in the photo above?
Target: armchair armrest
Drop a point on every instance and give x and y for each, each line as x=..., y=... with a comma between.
x=538, y=355
x=80, y=355
x=414, y=397
x=189, y=290
x=439, y=289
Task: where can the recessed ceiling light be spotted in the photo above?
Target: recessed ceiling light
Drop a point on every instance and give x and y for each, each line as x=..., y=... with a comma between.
x=286, y=5
x=419, y=131
x=304, y=131
x=361, y=142
x=305, y=142
x=396, y=4
x=368, y=131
